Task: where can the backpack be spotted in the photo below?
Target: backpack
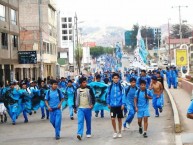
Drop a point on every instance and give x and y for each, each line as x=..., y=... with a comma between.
x=126, y=93
x=60, y=97
x=120, y=87
x=138, y=91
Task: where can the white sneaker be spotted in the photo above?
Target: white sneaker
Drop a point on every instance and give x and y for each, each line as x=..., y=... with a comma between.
x=119, y=135
x=115, y=135
x=88, y=136
x=123, y=128
x=128, y=125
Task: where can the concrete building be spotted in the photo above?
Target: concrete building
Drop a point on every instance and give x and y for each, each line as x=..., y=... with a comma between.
x=9, y=43
x=30, y=36
x=66, y=36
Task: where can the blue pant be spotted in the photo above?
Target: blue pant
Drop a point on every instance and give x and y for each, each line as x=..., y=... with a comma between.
x=13, y=112
x=174, y=82
x=130, y=116
x=169, y=82
x=43, y=113
x=71, y=111
x=102, y=113
x=24, y=112
x=84, y=113
x=56, y=119
x=157, y=104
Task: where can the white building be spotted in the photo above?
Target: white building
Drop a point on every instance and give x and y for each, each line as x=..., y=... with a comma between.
x=65, y=36
x=86, y=55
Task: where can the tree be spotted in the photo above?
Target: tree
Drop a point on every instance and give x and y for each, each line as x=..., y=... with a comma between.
x=78, y=57
x=148, y=33
x=186, y=31
x=99, y=50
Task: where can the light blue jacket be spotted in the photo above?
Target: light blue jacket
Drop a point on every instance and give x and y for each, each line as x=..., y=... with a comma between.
x=115, y=95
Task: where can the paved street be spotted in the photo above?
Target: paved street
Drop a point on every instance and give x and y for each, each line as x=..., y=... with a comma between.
x=40, y=132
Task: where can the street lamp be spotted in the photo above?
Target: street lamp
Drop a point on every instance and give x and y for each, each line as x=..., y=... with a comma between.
x=180, y=31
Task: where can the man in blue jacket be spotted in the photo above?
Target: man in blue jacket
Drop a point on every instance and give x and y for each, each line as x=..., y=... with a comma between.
x=53, y=100
x=116, y=103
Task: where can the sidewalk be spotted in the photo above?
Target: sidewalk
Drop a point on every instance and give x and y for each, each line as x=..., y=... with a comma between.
x=182, y=100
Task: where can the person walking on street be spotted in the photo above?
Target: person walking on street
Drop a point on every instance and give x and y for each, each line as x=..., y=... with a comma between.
x=53, y=100
x=85, y=101
x=116, y=102
x=141, y=101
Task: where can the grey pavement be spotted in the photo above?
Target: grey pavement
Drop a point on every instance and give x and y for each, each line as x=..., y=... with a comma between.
x=40, y=132
x=182, y=100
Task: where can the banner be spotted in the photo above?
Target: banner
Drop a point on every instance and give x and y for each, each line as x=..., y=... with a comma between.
x=181, y=57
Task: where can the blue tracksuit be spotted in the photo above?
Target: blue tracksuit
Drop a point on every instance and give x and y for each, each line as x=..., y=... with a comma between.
x=157, y=103
x=129, y=99
x=26, y=103
x=174, y=74
x=13, y=107
x=146, y=78
x=42, y=103
x=55, y=115
x=190, y=108
x=115, y=96
x=168, y=78
x=70, y=93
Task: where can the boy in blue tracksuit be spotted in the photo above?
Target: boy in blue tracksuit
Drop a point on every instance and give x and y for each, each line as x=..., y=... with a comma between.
x=70, y=94
x=141, y=101
x=129, y=99
x=145, y=78
x=174, y=74
x=116, y=102
x=43, y=90
x=168, y=77
x=85, y=101
x=53, y=100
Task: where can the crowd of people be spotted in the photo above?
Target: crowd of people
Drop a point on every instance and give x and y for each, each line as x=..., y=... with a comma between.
x=27, y=97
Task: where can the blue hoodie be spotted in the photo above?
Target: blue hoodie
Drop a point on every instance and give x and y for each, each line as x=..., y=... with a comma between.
x=115, y=96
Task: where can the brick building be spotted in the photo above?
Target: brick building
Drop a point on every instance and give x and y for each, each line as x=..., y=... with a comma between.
x=30, y=32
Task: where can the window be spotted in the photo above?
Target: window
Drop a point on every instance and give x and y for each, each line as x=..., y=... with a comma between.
x=69, y=19
x=64, y=25
x=15, y=41
x=70, y=31
x=51, y=51
x=48, y=48
x=70, y=25
x=4, y=40
x=191, y=55
x=13, y=17
x=64, y=32
x=44, y=47
x=64, y=20
x=64, y=37
x=2, y=12
x=191, y=48
x=70, y=37
x=50, y=30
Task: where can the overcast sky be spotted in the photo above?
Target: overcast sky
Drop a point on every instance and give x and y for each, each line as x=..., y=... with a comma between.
x=125, y=13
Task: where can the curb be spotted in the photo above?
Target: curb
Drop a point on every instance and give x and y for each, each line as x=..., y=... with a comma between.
x=177, y=124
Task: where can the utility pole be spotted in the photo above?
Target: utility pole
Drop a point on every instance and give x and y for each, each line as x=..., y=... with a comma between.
x=180, y=19
x=169, y=41
x=41, y=43
x=76, y=23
